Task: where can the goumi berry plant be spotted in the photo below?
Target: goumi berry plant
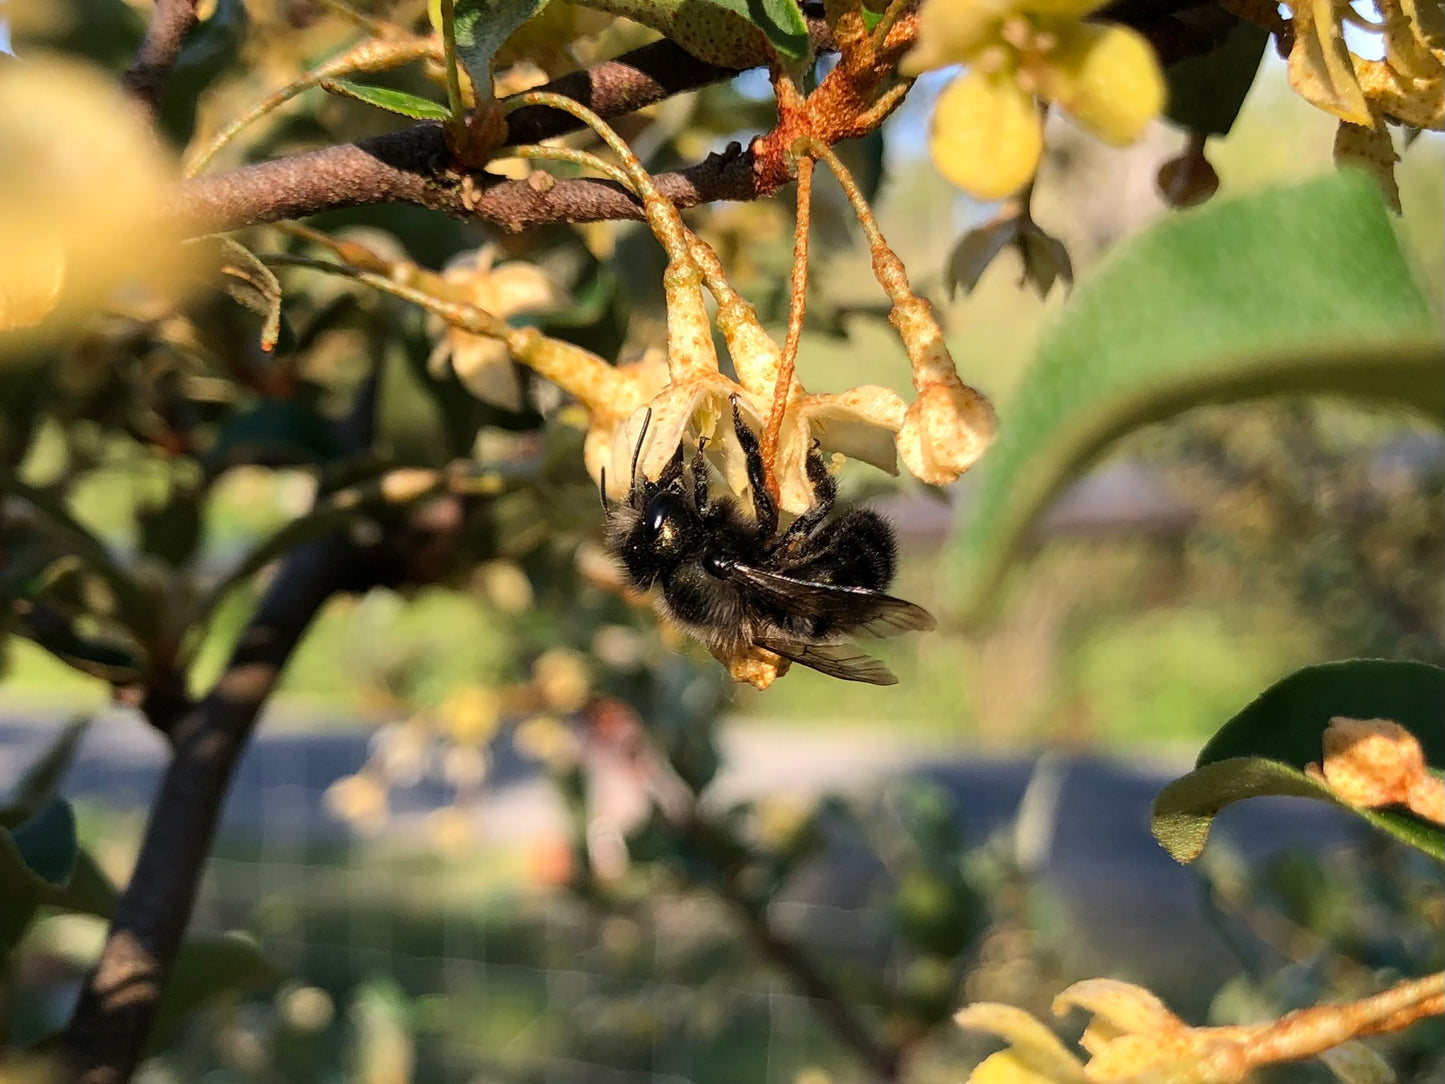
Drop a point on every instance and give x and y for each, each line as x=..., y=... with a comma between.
x=316, y=300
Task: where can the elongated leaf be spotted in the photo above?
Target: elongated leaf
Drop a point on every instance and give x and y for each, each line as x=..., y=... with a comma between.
x=393, y=101
x=274, y=432
x=1264, y=749
x=99, y=658
x=1301, y=290
x=482, y=27
x=41, y=780
x=728, y=33
x=1184, y=811
x=46, y=843
x=88, y=892
x=133, y=603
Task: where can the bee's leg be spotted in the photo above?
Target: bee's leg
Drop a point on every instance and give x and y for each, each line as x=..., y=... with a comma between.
x=699, y=477
x=763, y=506
x=825, y=492
x=671, y=476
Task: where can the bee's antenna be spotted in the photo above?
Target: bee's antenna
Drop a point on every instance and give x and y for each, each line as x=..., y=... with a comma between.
x=602, y=492
x=642, y=436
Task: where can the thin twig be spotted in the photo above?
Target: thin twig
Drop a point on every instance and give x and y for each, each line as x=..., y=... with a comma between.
x=797, y=309
x=169, y=25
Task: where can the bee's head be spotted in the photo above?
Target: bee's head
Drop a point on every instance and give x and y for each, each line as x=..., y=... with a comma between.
x=665, y=531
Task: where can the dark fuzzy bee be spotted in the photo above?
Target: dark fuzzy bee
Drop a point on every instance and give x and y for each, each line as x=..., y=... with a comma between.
x=733, y=581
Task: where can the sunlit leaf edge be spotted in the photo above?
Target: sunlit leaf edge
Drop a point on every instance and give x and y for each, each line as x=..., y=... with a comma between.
x=393, y=101
x=1184, y=810
x=1417, y=382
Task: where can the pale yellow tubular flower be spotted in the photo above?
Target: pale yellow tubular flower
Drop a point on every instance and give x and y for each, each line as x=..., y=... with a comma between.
x=859, y=424
x=987, y=136
x=1118, y=1008
x=482, y=364
x=950, y=32
x=82, y=180
x=1185, y=1057
x=1321, y=69
x=703, y=405
x=615, y=421
x=949, y=426
x=1108, y=79
x=1035, y=1054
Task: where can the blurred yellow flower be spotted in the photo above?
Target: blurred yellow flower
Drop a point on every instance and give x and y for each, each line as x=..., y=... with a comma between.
x=80, y=194
x=361, y=801
x=452, y=830
x=562, y=678
x=548, y=739
x=470, y=716
x=987, y=132
x=484, y=364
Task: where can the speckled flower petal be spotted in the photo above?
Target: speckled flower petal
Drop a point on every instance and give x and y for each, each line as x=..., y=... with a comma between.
x=986, y=136
x=699, y=404
x=947, y=428
x=859, y=423
x=1321, y=69
x=1109, y=80
x=1119, y=1008
x=1033, y=1047
x=486, y=369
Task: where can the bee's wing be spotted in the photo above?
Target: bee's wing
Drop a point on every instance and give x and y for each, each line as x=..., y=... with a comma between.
x=851, y=609
x=836, y=660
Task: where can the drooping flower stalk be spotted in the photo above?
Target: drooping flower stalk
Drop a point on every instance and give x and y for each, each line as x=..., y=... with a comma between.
x=689, y=332
x=797, y=307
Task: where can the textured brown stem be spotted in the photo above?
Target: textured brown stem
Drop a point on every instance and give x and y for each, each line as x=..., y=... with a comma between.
x=147, y=75
x=413, y=166
x=112, y=1019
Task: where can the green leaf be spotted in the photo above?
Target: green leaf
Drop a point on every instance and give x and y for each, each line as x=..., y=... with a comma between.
x=1184, y=811
x=393, y=101
x=1206, y=92
x=46, y=843
x=88, y=892
x=482, y=26
x=171, y=531
x=36, y=859
x=1286, y=721
x=274, y=432
x=1293, y=291
x=728, y=33
x=1264, y=749
x=100, y=659
x=40, y=781
x=207, y=970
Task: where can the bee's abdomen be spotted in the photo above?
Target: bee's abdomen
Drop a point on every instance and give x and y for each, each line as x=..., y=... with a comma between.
x=709, y=608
